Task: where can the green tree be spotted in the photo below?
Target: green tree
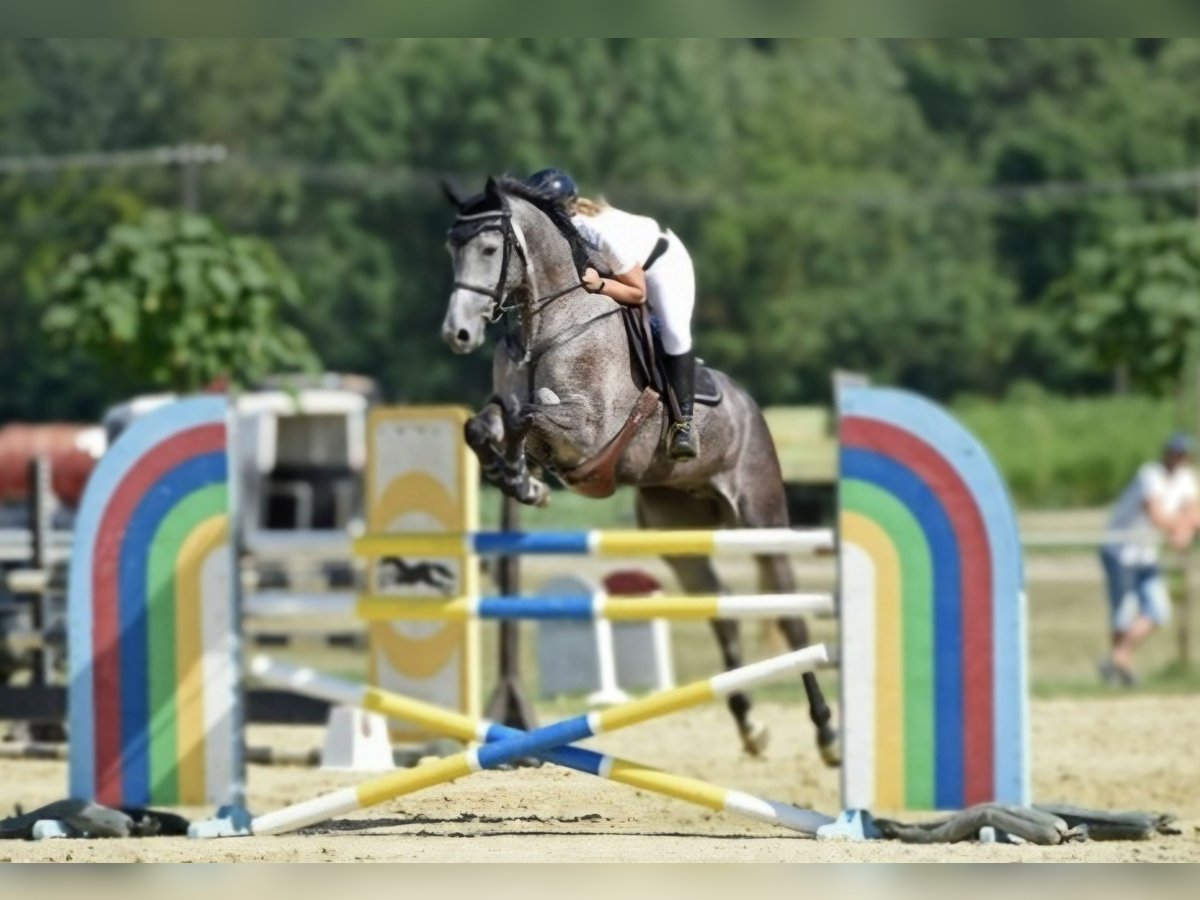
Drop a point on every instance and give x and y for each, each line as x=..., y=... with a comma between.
x=1134, y=298
x=174, y=302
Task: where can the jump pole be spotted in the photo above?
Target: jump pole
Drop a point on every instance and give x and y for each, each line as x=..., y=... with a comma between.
x=532, y=743
x=598, y=606
x=618, y=543
x=579, y=607
x=304, y=680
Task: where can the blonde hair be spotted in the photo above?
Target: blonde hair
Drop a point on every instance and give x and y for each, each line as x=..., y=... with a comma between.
x=585, y=207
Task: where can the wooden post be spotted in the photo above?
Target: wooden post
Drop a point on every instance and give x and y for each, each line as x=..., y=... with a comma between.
x=1184, y=616
x=43, y=659
x=39, y=529
x=508, y=704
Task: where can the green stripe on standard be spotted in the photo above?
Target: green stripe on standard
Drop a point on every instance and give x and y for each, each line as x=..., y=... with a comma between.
x=873, y=502
x=168, y=541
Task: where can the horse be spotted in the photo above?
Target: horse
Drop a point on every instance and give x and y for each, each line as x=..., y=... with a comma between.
x=568, y=400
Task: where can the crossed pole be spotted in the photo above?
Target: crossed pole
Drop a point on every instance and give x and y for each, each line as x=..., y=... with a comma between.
x=505, y=745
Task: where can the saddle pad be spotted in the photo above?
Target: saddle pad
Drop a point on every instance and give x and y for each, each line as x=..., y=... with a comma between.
x=646, y=349
x=708, y=391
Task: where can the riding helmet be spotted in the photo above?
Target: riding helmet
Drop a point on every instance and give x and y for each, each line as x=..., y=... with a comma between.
x=554, y=183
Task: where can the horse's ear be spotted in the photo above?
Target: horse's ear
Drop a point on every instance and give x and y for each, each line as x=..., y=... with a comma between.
x=452, y=193
x=492, y=188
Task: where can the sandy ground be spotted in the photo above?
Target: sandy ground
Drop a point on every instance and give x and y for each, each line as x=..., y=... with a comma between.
x=1091, y=747
x=1107, y=752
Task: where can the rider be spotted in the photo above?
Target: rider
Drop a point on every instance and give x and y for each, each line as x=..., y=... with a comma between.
x=648, y=263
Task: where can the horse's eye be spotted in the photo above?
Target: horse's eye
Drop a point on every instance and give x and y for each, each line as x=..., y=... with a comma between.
x=489, y=251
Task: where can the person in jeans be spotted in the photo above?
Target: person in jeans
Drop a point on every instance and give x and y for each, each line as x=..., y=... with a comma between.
x=1162, y=501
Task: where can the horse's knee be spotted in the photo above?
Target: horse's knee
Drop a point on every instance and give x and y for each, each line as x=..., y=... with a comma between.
x=480, y=432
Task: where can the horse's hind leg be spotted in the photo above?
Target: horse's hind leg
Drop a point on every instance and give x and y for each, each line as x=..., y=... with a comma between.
x=696, y=575
x=762, y=504
x=776, y=577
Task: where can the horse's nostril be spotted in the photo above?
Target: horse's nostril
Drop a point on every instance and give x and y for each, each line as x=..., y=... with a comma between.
x=463, y=335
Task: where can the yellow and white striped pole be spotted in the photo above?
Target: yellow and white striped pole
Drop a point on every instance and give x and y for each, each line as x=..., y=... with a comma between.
x=397, y=784
x=576, y=607
x=303, y=680
x=581, y=607
x=631, y=542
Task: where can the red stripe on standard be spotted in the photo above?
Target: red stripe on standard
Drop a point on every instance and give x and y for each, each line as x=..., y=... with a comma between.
x=106, y=637
x=976, y=573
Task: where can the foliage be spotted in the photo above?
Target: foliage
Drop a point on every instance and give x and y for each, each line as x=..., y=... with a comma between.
x=839, y=197
x=174, y=302
x=1134, y=298
x=1067, y=451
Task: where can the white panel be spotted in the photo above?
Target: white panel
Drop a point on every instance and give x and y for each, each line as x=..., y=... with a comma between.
x=220, y=673
x=857, y=628
x=568, y=651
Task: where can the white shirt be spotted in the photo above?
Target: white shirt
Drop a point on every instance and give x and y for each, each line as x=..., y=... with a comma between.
x=1131, y=532
x=619, y=240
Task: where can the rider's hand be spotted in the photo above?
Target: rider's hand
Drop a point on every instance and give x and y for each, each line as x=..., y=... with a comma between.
x=592, y=280
x=1181, y=536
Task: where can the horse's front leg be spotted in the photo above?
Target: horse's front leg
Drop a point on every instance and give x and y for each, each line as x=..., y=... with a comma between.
x=485, y=435
x=519, y=482
x=497, y=437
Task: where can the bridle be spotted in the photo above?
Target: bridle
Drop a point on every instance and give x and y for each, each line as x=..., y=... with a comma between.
x=491, y=220
x=499, y=220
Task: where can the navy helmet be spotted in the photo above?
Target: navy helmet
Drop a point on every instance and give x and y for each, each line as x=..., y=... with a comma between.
x=554, y=183
x=1179, y=444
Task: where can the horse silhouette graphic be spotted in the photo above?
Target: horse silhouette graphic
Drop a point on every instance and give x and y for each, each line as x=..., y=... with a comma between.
x=395, y=572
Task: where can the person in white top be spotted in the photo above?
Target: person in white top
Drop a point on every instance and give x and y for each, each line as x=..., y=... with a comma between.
x=648, y=264
x=1162, y=500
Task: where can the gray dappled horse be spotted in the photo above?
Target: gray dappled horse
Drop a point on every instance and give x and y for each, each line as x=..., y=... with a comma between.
x=566, y=399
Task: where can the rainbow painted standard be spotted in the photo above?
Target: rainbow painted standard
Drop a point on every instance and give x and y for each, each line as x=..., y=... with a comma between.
x=933, y=610
x=154, y=704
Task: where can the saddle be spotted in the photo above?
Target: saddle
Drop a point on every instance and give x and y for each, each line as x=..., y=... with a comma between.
x=649, y=360
x=596, y=477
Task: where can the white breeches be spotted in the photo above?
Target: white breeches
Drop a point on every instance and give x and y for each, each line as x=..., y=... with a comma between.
x=671, y=290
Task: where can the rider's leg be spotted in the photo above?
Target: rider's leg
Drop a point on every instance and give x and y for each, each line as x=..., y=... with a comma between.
x=683, y=443
x=672, y=286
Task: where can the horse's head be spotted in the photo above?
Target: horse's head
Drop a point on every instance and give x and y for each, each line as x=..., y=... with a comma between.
x=489, y=258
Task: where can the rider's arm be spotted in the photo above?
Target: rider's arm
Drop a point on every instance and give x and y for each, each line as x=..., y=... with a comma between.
x=1157, y=515
x=628, y=288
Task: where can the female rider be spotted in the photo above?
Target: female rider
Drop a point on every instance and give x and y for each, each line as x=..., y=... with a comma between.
x=648, y=263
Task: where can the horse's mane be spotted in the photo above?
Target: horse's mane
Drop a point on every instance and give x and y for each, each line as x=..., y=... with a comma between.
x=555, y=213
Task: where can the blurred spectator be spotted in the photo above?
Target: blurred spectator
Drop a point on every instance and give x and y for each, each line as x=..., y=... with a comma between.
x=1162, y=500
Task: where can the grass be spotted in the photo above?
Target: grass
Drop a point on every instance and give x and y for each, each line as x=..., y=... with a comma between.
x=1058, y=452
x=566, y=512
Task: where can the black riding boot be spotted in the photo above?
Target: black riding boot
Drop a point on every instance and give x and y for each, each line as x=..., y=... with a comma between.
x=682, y=441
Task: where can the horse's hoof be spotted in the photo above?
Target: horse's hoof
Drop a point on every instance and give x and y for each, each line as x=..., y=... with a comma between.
x=755, y=738
x=534, y=493
x=830, y=746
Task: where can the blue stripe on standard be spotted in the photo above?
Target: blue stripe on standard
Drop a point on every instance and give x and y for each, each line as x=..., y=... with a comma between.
x=926, y=507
